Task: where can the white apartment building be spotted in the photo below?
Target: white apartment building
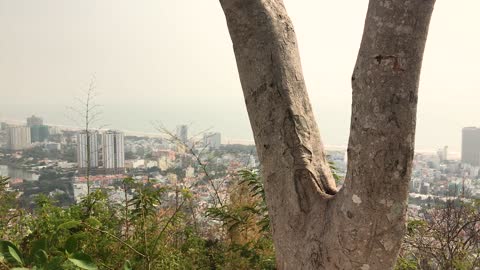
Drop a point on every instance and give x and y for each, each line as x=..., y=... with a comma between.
x=87, y=142
x=18, y=137
x=113, y=152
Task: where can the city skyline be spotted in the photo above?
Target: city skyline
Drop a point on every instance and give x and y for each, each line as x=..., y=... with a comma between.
x=456, y=154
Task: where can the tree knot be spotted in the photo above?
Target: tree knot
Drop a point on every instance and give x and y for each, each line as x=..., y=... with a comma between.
x=390, y=60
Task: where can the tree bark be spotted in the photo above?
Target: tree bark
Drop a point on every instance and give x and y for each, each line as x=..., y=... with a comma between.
x=314, y=226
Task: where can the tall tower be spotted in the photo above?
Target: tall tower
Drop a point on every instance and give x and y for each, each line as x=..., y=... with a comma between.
x=212, y=140
x=33, y=120
x=113, y=152
x=182, y=133
x=39, y=133
x=18, y=137
x=87, y=143
x=471, y=146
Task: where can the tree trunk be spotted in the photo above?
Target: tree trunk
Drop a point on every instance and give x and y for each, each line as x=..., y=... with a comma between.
x=314, y=226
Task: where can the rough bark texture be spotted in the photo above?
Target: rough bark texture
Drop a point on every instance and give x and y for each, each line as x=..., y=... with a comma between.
x=314, y=227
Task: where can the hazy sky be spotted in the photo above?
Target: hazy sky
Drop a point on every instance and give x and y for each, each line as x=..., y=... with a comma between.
x=172, y=61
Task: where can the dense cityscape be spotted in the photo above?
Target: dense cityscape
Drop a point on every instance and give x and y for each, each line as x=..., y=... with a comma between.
x=45, y=159
x=50, y=160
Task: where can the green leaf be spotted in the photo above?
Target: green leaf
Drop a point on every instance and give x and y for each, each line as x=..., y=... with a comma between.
x=127, y=265
x=93, y=222
x=71, y=245
x=69, y=225
x=10, y=252
x=41, y=257
x=15, y=254
x=40, y=244
x=55, y=263
x=82, y=260
x=415, y=225
x=186, y=193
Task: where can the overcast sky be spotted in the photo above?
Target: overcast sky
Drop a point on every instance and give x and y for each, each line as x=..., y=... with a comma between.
x=172, y=61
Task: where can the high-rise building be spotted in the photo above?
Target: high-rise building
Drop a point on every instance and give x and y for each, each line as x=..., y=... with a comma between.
x=87, y=148
x=18, y=137
x=39, y=133
x=471, y=146
x=113, y=152
x=443, y=153
x=212, y=140
x=54, y=130
x=182, y=133
x=33, y=120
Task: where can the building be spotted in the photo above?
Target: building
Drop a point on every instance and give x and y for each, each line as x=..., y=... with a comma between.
x=53, y=146
x=182, y=133
x=39, y=133
x=212, y=140
x=33, y=120
x=87, y=148
x=443, y=154
x=165, y=153
x=425, y=188
x=165, y=159
x=135, y=163
x=18, y=137
x=189, y=172
x=113, y=152
x=471, y=146
x=54, y=130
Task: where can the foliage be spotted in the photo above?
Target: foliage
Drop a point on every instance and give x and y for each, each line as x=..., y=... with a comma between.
x=334, y=170
x=12, y=218
x=3, y=183
x=448, y=237
x=154, y=227
x=42, y=256
x=247, y=224
x=406, y=264
x=158, y=227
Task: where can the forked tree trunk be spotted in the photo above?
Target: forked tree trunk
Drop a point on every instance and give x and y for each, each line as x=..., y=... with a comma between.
x=314, y=227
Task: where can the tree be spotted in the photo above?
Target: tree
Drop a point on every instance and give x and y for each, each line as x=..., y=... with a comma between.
x=314, y=225
x=87, y=113
x=448, y=237
x=245, y=218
